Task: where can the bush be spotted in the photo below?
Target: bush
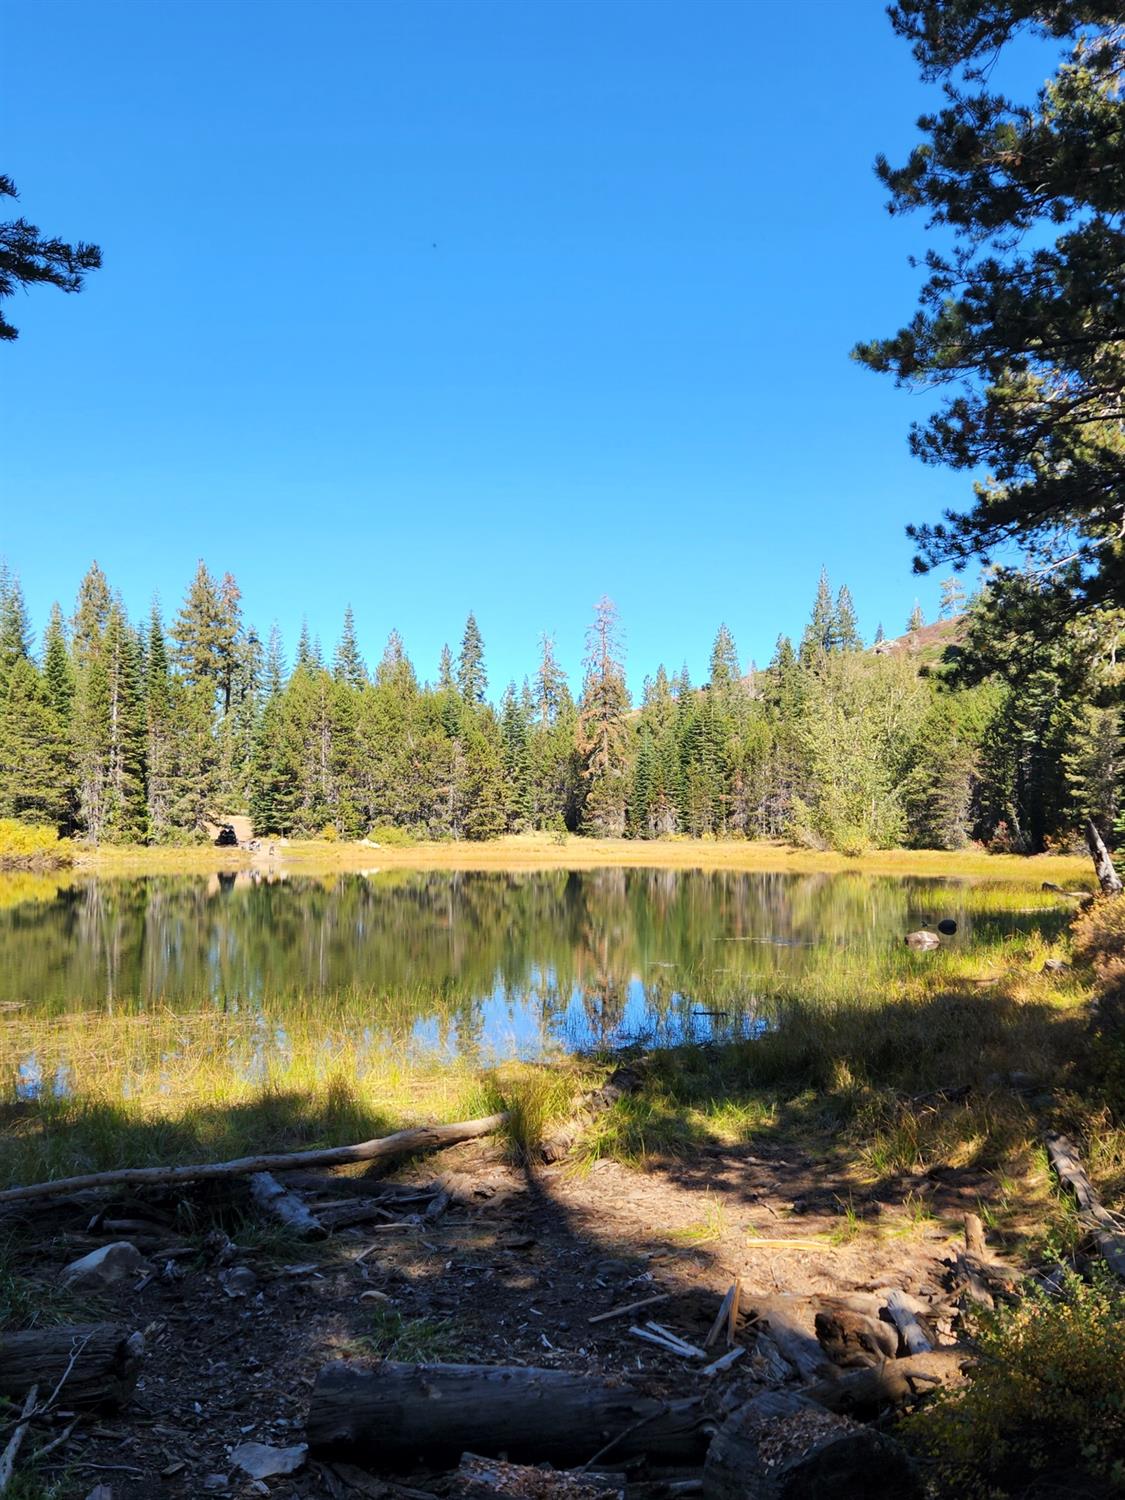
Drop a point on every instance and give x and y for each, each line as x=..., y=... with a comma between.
x=391, y=836
x=1046, y=1402
x=31, y=844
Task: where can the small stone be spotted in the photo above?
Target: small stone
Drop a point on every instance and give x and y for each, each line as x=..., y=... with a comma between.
x=922, y=941
x=261, y=1461
x=105, y=1267
x=239, y=1281
x=215, y=1482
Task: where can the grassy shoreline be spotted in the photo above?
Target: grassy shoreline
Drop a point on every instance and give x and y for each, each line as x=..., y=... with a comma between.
x=541, y=852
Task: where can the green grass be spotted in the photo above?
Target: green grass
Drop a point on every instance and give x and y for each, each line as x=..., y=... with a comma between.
x=410, y=1340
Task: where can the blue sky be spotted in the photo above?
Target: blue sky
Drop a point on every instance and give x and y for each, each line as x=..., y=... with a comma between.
x=495, y=304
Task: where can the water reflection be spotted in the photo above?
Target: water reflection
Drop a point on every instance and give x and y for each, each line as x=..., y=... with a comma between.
x=500, y=964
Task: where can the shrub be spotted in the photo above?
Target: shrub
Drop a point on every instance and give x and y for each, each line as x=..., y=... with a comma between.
x=31, y=844
x=1046, y=1402
x=330, y=833
x=391, y=836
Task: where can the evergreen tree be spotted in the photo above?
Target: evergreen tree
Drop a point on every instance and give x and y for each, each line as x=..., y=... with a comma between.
x=35, y=755
x=273, y=679
x=15, y=627
x=348, y=664
x=1015, y=315
x=27, y=258
x=206, y=634
x=602, y=738
x=880, y=634
x=917, y=619
x=550, y=682
x=471, y=676
x=845, y=625
x=724, y=661
x=58, y=672
x=90, y=615
x=820, y=633
x=952, y=599
x=306, y=657
x=446, y=681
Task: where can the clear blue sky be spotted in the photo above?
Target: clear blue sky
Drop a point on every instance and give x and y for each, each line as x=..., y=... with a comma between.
x=438, y=305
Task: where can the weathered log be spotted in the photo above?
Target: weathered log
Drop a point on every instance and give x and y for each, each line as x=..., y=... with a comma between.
x=622, y=1081
x=402, y=1143
x=106, y=1362
x=286, y=1206
x=897, y=1382
x=791, y=1322
x=1100, y=1223
x=914, y=1337
x=1108, y=878
x=394, y=1415
x=852, y=1339
x=781, y=1446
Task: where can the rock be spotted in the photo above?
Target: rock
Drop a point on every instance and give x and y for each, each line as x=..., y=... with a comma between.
x=922, y=941
x=947, y=926
x=238, y=1281
x=212, y=1483
x=100, y=1492
x=105, y=1267
x=261, y=1461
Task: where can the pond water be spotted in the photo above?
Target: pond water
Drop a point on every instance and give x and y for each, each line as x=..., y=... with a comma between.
x=487, y=965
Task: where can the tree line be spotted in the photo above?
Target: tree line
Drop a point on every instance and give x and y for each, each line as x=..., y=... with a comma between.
x=147, y=732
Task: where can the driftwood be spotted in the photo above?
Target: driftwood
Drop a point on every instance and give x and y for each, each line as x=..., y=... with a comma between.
x=980, y=1274
x=286, y=1206
x=1102, y=1226
x=15, y=1442
x=104, y=1360
x=392, y=1415
x=402, y=1143
x=1108, y=878
x=780, y=1446
x=896, y=1382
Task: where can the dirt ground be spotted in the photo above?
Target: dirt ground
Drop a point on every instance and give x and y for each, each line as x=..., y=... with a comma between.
x=511, y=1272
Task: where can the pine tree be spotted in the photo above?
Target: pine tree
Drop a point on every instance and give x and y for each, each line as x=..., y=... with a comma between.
x=472, y=678
x=724, y=661
x=446, y=681
x=880, y=634
x=602, y=736
x=273, y=679
x=348, y=665
x=845, y=624
x=820, y=633
x=917, y=619
x=58, y=672
x=160, y=731
x=550, y=682
x=15, y=627
x=124, y=792
x=306, y=657
x=205, y=633
x=91, y=614
x=952, y=599
x=35, y=756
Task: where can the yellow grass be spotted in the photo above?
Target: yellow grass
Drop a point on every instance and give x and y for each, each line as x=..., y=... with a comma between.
x=539, y=852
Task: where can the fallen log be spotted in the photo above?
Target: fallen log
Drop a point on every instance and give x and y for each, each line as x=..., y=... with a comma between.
x=914, y=1337
x=981, y=1274
x=104, y=1360
x=791, y=1322
x=896, y=1382
x=402, y=1143
x=1097, y=1219
x=1108, y=878
x=853, y=1339
x=780, y=1446
x=286, y=1206
x=622, y=1081
x=391, y=1416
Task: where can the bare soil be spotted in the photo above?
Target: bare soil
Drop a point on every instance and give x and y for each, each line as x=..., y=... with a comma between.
x=512, y=1272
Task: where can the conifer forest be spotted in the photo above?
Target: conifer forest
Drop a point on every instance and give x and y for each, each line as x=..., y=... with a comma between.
x=149, y=731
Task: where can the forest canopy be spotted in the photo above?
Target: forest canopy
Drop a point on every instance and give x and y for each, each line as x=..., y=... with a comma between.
x=116, y=730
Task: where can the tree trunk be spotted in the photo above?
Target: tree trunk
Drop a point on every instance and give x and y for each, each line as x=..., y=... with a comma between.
x=781, y=1446
x=898, y=1382
x=286, y=1206
x=1108, y=878
x=392, y=1416
x=107, y=1360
